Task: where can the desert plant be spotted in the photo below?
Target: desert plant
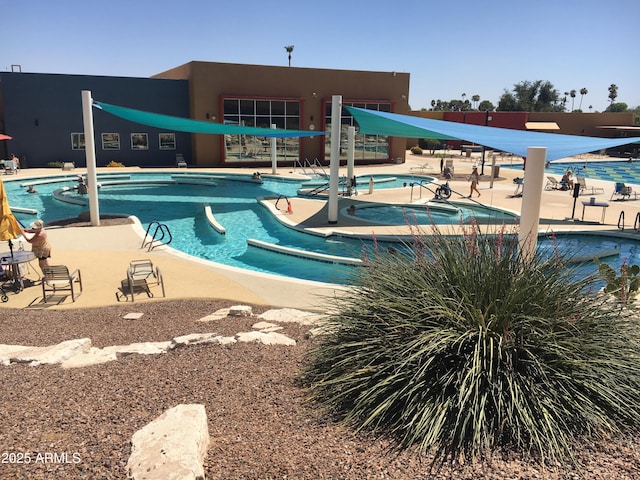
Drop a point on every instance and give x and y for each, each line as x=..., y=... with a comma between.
x=461, y=345
x=416, y=150
x=625, y=286
x=115, y=164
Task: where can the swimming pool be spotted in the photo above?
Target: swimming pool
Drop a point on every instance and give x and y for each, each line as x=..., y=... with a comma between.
x=233, y=202
x=181, y=206
x=611, y=171
x=430, y=213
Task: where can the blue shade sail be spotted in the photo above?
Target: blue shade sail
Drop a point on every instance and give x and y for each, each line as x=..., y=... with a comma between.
x=180, y=124
x=514, y=141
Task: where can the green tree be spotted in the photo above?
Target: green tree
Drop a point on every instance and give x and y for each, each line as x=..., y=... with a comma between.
x=486, y=106
x=474, y=101
x=613, y=93
x=583, y=92
x=289, y=49
x=538, y=96
x=617, y=107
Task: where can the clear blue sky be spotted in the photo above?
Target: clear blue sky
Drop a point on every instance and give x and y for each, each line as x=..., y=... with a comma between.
x=448, y=47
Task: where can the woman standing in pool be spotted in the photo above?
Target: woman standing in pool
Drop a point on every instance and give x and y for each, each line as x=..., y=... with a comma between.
x=39, y=243
x=475, y=178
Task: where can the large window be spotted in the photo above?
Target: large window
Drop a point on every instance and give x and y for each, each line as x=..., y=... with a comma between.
x=262, y=113
x=367, y=147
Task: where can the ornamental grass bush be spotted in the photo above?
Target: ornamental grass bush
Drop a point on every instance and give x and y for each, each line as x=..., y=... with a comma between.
x=461, y=346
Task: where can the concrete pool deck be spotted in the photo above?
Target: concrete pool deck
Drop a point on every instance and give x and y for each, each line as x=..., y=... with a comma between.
x=103, y=253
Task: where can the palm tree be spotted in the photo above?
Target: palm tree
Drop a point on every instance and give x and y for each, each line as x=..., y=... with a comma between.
x=583, y=92
x=572, y=93
x=475, y=99
x=613, y=93
x=289, y=49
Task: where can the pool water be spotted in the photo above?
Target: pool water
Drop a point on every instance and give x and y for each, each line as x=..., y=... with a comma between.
x=611, y=171
x=234, y=205
x=431, y=214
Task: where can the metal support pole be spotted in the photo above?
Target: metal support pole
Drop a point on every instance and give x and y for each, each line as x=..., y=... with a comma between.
x=90, y=155
x=334, y=162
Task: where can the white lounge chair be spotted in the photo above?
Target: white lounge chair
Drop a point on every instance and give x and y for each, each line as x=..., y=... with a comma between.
x=584, y=190
x=57, y=278
x=141, y=276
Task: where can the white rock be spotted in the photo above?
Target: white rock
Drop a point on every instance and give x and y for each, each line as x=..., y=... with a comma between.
x=94, y=356
x=266, y=327
x=219, y=314
x=270, y=338
x=172, y=446
x=198, y=338
x=52, y=354
x=283, y=315
x=240, y=311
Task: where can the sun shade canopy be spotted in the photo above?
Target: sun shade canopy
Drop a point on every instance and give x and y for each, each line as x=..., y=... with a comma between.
x=180, y=124
x=541, y=126
x=514, y=141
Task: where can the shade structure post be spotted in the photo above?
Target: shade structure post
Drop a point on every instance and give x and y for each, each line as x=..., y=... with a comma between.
x=351, y=155
x=334, y=159
x=274, y=152
x=531, y=200
x=90, y=153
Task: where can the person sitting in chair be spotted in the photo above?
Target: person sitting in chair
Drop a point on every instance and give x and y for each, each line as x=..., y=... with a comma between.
x=566, y=181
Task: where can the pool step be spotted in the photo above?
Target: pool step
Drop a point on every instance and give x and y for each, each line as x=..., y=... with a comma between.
x=294, y=252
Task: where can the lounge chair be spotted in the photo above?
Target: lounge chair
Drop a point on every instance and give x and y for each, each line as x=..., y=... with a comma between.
x=180, y=161
x=553, y=184
x=425, y=167
x=10, y=167
x=141, y=276
x=58, y=279
x=448, y=163
x=584, y=190
x=624, y=191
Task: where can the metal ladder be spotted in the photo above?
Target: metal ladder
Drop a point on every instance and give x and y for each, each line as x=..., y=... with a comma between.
x=158, y=236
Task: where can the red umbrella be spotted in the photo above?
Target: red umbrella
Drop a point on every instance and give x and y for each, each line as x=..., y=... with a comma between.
x=5, y=137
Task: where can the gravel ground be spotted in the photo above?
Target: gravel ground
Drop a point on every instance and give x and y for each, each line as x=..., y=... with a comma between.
x=259, y=424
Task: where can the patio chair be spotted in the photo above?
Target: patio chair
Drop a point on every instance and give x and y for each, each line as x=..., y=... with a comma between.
x=584, y=190
x=56, y=278
x=448, y=163
x=180, y=161
x=624, y=191
x=141, y=276
x=10, y=167
x=554, y=184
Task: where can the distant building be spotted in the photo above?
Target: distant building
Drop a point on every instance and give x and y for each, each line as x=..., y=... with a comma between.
x=607, y=125
x=43, y=114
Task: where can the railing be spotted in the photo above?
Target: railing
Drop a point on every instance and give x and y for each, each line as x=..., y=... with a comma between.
x=313, y=167
x=636, y=223
x=158, y=236
x=621, y=221
x=346, y=188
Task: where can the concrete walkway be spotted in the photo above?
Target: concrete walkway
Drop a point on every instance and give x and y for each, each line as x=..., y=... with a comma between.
x=103, y=253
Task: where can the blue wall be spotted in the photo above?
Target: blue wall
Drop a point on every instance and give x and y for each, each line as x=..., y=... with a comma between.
x=41, y=111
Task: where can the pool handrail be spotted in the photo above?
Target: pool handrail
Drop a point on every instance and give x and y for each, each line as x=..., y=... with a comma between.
x=158, y=235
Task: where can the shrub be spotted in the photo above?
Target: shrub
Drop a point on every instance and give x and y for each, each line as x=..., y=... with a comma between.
x=416, y=150
x=54, y=165
x=459, y=346
x=624, y=287
x=115, y=164
x=431, y=144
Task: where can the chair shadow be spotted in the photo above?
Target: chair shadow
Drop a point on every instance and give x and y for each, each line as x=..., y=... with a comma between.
x=52, y=301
